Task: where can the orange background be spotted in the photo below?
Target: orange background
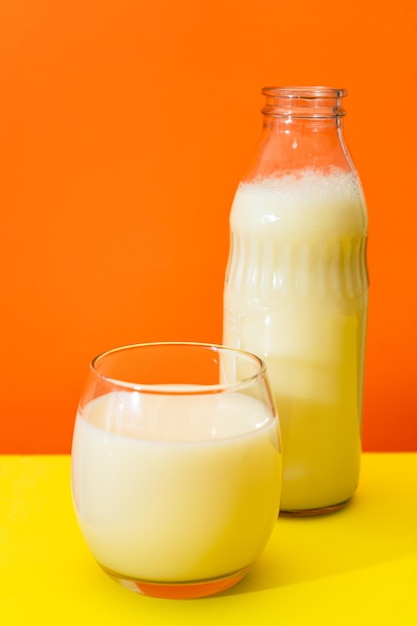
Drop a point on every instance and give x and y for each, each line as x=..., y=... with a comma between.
x=125, y=127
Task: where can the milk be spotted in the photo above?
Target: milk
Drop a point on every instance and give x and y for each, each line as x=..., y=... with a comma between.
x=296, y=295
x=196, y=504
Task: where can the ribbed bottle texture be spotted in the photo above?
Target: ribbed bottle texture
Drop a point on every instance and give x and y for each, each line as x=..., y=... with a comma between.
x=275, y=270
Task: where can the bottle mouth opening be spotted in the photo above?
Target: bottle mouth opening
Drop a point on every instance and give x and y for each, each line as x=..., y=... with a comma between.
x=313, y=101
x=304, y=92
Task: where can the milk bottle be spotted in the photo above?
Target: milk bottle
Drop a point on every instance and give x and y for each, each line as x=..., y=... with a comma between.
x=296, y=290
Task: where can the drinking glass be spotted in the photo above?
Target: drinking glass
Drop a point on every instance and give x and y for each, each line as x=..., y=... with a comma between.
x=176, y=466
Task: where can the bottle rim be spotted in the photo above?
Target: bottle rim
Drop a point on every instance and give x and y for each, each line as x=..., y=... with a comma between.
x=308, y=102
x=304, y=92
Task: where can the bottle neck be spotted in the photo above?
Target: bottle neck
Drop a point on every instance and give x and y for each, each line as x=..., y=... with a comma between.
x=302, y=131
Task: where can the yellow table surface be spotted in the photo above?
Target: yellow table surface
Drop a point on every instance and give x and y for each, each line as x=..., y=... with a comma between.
x=355, y=566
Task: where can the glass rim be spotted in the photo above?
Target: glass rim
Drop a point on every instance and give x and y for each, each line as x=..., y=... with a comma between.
x=166, y=388
x=304, y=91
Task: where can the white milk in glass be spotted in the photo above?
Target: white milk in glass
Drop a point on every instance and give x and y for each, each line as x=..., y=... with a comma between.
x=196, y=503
x=296, y=295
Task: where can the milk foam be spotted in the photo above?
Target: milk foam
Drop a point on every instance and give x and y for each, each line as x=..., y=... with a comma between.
x=310, y=204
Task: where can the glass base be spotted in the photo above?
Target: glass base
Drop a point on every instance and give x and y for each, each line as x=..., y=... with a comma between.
x=177, y=591
x=325, y=510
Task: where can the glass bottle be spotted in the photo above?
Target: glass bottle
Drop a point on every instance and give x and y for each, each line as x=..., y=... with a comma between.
x=296, y=290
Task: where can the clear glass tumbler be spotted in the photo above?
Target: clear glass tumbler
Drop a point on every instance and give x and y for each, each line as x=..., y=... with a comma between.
x=176, y=466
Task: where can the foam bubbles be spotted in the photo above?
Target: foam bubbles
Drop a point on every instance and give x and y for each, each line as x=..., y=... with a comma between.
x=311, y=204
